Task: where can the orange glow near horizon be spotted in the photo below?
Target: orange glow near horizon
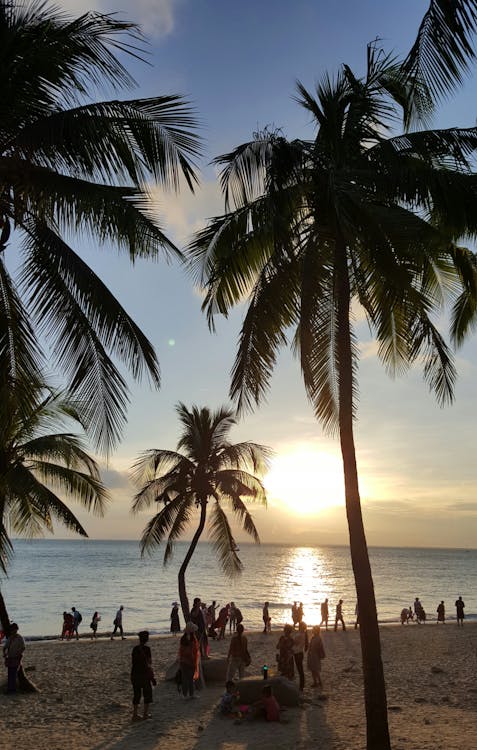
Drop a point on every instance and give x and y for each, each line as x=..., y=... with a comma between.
x=306, y=481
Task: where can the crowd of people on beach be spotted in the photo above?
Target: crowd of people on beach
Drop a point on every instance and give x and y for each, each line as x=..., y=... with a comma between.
x=297, y=647
x=419, y=615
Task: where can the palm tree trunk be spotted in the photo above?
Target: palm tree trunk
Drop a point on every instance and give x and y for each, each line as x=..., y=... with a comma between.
x=373, y=673
x=181, y=577
x=4, y=618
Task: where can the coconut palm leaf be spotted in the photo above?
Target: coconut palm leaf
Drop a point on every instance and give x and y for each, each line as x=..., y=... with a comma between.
x=209, y=469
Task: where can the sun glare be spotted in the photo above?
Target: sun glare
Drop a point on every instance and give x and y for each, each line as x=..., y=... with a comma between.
x=306, y=481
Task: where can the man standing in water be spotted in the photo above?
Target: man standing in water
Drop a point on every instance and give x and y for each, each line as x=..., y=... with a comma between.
x=459, y=605
x=324, y=613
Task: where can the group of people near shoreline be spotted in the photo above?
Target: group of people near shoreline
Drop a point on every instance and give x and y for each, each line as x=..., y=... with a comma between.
x=419, y=615
x=72, y=620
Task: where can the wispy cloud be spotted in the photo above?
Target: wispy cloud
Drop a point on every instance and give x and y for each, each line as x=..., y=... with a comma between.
x=156, y=17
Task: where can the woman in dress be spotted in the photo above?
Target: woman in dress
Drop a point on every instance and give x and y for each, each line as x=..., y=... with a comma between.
x=189, y=659
x=316, y=653
x=285, y=653
x=94, y=624
x=175, y=624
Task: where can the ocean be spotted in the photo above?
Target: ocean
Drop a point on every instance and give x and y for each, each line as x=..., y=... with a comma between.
x=47, y=577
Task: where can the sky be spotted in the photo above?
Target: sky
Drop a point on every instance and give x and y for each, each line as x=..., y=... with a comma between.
x=238, y=64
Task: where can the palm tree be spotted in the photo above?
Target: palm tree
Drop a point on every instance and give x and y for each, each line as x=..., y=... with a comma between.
x=70, y=163
x=208, y=470
x=39, y=469
x=351, y=216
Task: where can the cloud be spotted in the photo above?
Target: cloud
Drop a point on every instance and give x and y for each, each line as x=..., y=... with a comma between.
x=156, y=17
x=463, y=507
x=116, y=480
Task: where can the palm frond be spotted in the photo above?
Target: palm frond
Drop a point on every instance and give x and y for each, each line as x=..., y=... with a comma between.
x=223, y=542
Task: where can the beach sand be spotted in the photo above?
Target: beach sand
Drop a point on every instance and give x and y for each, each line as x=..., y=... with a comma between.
x=85, y=698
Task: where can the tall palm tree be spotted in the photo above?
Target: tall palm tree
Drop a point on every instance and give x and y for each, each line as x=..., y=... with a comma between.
x=209, y=470
x=72, y=164
x=350, y=216
x=40, y=470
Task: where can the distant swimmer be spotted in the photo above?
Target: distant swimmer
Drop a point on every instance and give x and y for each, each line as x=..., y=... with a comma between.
x=459, y=605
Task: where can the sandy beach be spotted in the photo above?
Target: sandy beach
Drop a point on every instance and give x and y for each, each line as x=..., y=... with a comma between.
x=85, y=698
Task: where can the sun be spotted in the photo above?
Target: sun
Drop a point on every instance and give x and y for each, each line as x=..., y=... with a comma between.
x=306, y=481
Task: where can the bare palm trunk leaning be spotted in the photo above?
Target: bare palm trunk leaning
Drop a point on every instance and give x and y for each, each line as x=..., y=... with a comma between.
x=184, y=599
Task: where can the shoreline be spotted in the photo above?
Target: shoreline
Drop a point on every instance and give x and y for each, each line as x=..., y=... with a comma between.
x=85, y=698
x=84, y=635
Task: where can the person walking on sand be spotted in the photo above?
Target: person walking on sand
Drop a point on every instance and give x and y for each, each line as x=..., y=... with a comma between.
x=339, y=615
x=13, y=654
x=94, y=624
x=118, y=623
x=459, y=605
x=77, y=618
x=356, y=614
x=175, y=622
x=441, y=613
x=325, y=614
x=238, y=657
x=189, y=659
x=266, y=618
x=316, y=653
x=142, y=676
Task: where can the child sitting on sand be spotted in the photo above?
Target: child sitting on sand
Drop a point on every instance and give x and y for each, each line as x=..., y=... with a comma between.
x=229, y=702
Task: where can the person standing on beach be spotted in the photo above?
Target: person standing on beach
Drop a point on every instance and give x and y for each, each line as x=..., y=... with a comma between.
x=77, y=618
x=198, y=618
x=325, y=614
x=142, y=676
x=316, y=653
x=285, y=653
x=441, y=613
x=356, y=614
x=118, y=623
x=266, y=618
x=175, y=622
x=238, y=657
x=232, y=617
x=13, y=654
x=189, y=659
x=459, y=605
x=300, y=645
x=94, y=624
x=339, y=615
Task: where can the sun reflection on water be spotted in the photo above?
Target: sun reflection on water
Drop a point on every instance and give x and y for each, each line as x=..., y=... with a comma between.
x=305, y=578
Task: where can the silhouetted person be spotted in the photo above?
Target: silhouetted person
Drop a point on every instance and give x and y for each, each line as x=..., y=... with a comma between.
x=13, y=654
x=356, y=613
x=459, y=605
x=339, y=615
x=142, y=676
x=175, y=623
x=266, y=618
x=300, y=645
x=325, y=613
x=441, y=613
x=294, y=613
x=118, y=623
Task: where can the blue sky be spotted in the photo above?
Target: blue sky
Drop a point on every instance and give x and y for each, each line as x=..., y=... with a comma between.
x=238, y=63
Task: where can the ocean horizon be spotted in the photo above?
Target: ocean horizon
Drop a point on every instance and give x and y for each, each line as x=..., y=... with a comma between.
x=48, y=576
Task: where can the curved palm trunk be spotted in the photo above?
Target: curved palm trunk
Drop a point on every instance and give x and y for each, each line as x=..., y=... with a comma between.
x=373, y=673
x=181, y=577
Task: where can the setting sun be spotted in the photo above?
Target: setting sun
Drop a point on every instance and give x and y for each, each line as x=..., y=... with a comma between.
x=306, y=481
